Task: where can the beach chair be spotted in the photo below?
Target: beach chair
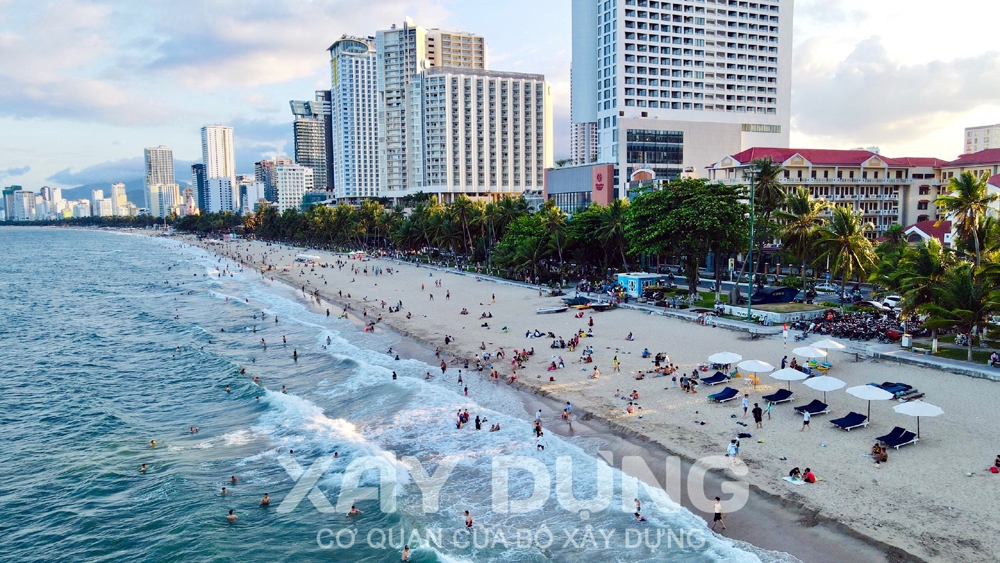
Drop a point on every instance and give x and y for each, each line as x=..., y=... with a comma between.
x=779, y=396
x=727, y=394
x=851, y=421
x=815, y=407
x=716, y=379
x=898, y=438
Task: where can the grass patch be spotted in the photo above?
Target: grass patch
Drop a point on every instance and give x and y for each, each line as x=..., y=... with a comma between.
x=962, y=354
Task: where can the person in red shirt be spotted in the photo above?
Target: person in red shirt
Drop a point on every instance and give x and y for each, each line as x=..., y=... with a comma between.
x=809, y=477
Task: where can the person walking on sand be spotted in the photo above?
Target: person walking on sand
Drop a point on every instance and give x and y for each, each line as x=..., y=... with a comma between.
x=746, y=404
x=768, y=409
x=719, y=516
x=758, y=415
x=805, y=421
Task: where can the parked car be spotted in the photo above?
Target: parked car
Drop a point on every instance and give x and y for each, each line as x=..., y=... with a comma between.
x=892, y=301
x=827, y=288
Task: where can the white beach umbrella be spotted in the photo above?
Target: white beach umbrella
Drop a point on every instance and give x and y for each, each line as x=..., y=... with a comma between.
x=725, y=358
x=828, y=345
x=824, y=383
x=918, y=409
x=789, y=375
x=809, y=352
x=755, y=366
x=870, y=393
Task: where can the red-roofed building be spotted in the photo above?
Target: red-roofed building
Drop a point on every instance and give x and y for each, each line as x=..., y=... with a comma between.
x=987, y=161
x=886, y=190
x=926, y=230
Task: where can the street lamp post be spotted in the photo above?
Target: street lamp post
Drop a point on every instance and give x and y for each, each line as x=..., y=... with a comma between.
x=750, y=254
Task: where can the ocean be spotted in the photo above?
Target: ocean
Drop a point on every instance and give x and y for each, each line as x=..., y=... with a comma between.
x=112, y=340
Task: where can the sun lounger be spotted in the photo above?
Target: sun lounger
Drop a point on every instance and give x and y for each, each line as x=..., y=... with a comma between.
x=894, y=388
x=815, y=407
x=851, y=421
x=779, y=396
x=727, y=394
x=716, y=379
x=898, y=438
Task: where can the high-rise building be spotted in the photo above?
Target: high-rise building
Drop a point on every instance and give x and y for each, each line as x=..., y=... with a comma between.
x=163, y=199
x=583, y=77
x=678, y=83
x=264, y=172
x=217, y=152
x=118, y=199
x=200, y=185
x=402, y=53
x=485, y=133
x=46, y=193
x=159, y=170
x=188, y=205
x=8, y=201
x=291, y=183
x=221, y=195
x=309, y=130
x=355, y=129
x=981, y=138
x=24, y=205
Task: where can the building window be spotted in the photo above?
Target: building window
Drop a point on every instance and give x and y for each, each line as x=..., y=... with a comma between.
x=922, y=205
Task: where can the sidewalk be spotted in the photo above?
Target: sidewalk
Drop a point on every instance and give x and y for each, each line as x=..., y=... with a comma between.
x=904, y=356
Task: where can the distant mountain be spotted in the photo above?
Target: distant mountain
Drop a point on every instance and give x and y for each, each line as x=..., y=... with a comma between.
x=134, y=191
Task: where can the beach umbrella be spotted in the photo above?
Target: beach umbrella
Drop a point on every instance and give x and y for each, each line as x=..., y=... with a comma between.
x=725, y=358
x=828, y=345
x=755, y=367
x=824, y=383
x=809, y=352
x=789, y=375
x=918, y=409
x=870, y=393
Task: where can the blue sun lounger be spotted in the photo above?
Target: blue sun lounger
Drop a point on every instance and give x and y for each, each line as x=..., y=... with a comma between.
x=815, y=407
x=716, y=379
x=851, y=421
x=779, y=396
x=727, y=394
x=898, y=438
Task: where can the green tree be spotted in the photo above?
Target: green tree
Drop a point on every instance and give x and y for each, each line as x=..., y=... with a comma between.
x=801, y=220
x=842, y=240
x=916, y=276
x=966, y=203
x=769, y=196
x=961, y=303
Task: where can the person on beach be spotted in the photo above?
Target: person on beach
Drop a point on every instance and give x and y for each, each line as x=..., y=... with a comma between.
x=406, y=552
x=639, y=517
x=540, y=442
x=266, y=501
x=758, y=415
x=805, y=420
x=809, y=476
x=767, y=409
x=719, y=516
x=468, y=519
x=746, y=404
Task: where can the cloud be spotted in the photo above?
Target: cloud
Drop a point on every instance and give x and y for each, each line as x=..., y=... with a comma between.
x=258, y=139
x=116, y=171
x=869, y=96
x=10, y=172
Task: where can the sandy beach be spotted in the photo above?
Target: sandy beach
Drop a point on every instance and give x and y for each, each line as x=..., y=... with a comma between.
x=928, y=500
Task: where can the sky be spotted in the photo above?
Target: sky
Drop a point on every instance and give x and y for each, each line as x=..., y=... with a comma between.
x=86, y=84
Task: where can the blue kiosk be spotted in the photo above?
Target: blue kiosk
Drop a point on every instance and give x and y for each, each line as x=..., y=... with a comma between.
x=635, y=282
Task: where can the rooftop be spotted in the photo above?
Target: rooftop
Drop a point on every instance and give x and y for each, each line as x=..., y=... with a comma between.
x=986, y=156
x=831, y=157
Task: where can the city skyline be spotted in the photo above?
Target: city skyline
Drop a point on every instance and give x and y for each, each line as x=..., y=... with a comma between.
x=82, y=104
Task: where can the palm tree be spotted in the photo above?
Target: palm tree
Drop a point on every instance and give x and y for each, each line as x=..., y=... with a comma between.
x=917, y=275
x=842, y=240
x=967, y=202
x=961, y=303
x=801, y=220
x=462, y=208
x=554, y=222
x=769, y=196
x=612, y=230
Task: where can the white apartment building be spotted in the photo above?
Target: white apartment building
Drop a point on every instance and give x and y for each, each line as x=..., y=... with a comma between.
x=119, y=201
x=982, y=138
x=264, y=172
x=103, y=208
x=222, y=195
x=679, y=82
x=402, y=53
x=163, y=198
x=24, y=206
x=217, y=152
x=486, y=134
x=355, y=119
x=292, y=182
x=159, y=170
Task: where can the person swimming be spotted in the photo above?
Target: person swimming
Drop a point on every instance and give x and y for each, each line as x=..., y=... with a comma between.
x=266, y=501
x=232, y=517
x=143, y=468
x=152, y=443
x=354, y=511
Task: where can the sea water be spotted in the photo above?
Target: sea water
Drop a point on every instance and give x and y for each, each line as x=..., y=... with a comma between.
x=113, y=340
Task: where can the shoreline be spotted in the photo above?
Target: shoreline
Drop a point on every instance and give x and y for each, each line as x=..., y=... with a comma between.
x=775, y=522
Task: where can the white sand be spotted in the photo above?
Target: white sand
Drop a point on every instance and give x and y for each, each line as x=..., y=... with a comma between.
x=921, y=501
